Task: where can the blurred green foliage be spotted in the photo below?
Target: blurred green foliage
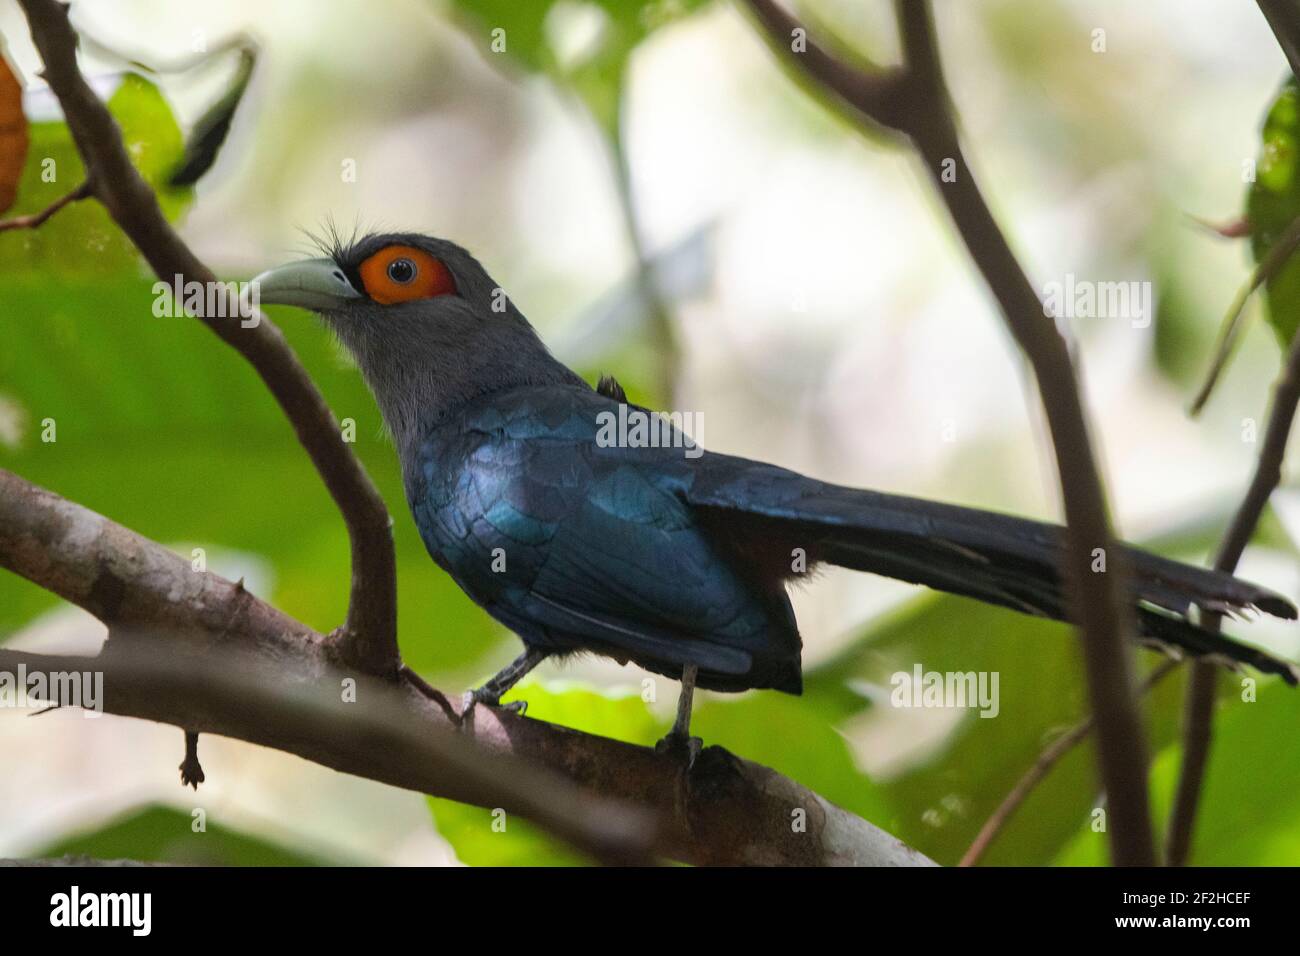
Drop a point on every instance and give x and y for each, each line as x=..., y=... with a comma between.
x=1273, y=204
x=1250, y=806
x=597, y=71
x=82, y=240
x=155, y=834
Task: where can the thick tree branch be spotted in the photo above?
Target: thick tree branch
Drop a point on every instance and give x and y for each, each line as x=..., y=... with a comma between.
x=235, y=666
x=304, y=710
x=914, y=101
x=1198, y=713
x=368, y=640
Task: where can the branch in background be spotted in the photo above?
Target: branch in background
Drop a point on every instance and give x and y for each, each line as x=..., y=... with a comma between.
x=1035, y=775
x=663, y=336
x=913, y=100
x=1283, y=18
x=878, y=96
x=1199, y=709
x=368, y=640
x=236, y=666
x=37, y=219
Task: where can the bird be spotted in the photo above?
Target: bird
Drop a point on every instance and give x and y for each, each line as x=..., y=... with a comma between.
x=582, y=537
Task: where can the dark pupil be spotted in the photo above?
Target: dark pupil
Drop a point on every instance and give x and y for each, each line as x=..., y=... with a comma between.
x=401, y=271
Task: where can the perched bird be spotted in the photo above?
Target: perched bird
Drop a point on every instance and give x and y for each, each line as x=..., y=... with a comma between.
x=578, y=538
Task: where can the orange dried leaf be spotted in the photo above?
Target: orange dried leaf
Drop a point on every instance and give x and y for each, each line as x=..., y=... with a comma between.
x=14, y=136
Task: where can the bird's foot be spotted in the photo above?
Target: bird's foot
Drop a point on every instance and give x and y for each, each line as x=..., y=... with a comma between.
x=486, y=697
x=191, y=772
x=675, y=743
x=191, y=769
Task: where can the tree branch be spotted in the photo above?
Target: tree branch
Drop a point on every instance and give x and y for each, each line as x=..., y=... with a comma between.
x=1049, y=758
x=305, y=711
x=880, y=97
x=368, y=640
x=914, y=100
x=1283, y=18
x=1198, y=713
x=236, y=666
x=37, y=219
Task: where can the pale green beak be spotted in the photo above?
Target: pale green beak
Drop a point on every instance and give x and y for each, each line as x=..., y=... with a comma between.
x=316, y=284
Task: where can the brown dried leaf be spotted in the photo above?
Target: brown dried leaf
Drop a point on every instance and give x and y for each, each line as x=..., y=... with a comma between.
x=14, y=137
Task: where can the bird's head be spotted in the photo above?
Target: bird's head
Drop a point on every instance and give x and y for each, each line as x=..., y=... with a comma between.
x=428, y=327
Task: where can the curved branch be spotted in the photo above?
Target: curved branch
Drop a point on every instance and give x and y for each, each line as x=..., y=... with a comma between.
x=914, y=100
x=368, y=640
x=880, y=97
x=236, y=666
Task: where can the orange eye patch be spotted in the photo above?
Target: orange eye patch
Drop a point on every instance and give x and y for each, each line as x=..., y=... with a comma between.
x=403, y=274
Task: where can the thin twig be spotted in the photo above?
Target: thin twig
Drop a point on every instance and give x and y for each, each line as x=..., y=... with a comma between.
x=1199, y=708
x=914, y=100
x=1232, y=326
x=368, y=639
x=663, y=335
x=1048, y=759
x=37, y=219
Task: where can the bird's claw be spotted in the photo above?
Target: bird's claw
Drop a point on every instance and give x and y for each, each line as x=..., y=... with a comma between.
x=688, y=747
x=473, y=698
x=191, y=773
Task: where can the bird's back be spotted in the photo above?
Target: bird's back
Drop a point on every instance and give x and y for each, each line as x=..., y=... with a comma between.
x=578, y=542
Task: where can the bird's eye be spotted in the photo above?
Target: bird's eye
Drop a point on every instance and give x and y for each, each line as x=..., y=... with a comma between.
x=404, y=273
x=401, y=271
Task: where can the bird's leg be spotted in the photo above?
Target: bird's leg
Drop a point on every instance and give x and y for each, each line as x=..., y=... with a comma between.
x=682, y=725
x=491, y=692
x=680, y=735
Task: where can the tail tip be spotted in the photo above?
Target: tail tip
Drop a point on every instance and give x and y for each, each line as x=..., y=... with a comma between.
x=1277, y=606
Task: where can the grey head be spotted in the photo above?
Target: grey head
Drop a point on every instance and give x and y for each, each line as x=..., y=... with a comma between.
x=429, y=328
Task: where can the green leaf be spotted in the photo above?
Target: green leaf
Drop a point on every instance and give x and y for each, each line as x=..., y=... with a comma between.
x=1249, y=812
x=616, y=713
x=483, y=837
x=1273, y=203
x=158, y=834
x=82, y=239
x=792, y=736
x=939, y=801
x=597, y=69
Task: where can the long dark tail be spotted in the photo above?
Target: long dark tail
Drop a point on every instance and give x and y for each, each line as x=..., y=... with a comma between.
x=993, y=557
